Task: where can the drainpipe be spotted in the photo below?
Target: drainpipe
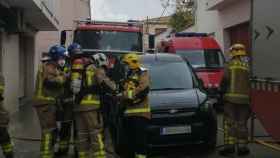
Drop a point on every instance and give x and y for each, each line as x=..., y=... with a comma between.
x=90, y=12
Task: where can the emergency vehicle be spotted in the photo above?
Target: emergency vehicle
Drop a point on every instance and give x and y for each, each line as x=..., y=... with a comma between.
x=203, y=53
x=111, y=38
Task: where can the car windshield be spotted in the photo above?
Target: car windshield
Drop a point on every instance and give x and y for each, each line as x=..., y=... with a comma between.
x=203, y=58
x=109, y=40
x=170, y=76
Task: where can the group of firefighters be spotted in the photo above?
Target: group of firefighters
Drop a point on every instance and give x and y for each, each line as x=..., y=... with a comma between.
x=69, y=87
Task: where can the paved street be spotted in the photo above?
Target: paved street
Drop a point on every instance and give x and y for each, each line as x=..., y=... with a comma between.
x=25, y=125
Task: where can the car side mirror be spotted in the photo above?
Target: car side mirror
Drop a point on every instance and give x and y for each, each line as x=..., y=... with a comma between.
x=63, y=35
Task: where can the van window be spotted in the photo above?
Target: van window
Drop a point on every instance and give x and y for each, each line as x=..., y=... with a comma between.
x=209, y=58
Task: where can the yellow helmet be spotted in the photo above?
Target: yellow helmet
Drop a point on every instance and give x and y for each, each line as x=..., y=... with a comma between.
x=237, y=50
x=132, y=60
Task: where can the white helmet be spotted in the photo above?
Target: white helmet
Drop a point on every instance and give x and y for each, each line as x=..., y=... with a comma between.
x=100, y=60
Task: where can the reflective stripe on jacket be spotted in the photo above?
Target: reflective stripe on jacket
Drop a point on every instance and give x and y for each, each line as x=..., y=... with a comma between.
x=40, y=97
x=237, y=84
x=138, y=82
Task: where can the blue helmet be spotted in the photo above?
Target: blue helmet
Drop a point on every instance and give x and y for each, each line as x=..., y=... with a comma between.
x=57, y=52
x=75, y=49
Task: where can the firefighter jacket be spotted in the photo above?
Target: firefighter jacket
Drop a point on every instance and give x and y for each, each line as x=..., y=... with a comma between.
x=93, y=79
x=136, y=90
x=49, y=83
x=2, y=88
x=236, y=84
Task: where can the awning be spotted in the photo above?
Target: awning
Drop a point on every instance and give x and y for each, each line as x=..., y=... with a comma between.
x=218, y=4
x=37, y=13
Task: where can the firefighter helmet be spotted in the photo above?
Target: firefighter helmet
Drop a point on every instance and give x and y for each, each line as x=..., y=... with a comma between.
x=132, y=60
x=56, y=52
x=101, y=60
x=74, y=49
x=237, y=50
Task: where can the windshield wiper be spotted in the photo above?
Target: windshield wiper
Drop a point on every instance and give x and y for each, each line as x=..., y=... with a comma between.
x=167, y=89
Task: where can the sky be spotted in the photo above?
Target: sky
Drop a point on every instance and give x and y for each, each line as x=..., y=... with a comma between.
x=123, y=10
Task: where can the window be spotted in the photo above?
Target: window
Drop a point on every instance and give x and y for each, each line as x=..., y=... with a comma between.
x=210, y=58
x=109, y=40
x=170, y=75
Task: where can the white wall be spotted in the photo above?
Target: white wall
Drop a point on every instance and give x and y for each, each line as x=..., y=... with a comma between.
x=207, y=22
x=192, y=29
x=11, y=71
x=216, y=21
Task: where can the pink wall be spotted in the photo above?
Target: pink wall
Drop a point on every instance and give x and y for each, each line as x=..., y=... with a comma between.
x=70, y=10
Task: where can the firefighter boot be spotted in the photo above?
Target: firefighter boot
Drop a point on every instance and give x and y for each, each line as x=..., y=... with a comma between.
x=243, y=151
x=83, y=154
x=47, y=144
x=65, y=136
x=5, y=143
x=227, y=150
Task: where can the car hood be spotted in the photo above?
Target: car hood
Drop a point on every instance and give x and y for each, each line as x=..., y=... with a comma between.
x=190, y=98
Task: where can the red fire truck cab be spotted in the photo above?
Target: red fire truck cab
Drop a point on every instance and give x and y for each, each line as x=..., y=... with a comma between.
x=203, y=53
x=112, y=38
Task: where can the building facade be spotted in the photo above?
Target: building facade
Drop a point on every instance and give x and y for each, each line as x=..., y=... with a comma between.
x=69, y=11
x=227, y=20
x=27, y=29
x=19, y=23
x=152, y=28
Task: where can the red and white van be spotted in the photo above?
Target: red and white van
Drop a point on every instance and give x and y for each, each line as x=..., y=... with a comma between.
x=203, y=53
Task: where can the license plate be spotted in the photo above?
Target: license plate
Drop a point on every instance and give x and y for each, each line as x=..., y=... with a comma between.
x=176, y=130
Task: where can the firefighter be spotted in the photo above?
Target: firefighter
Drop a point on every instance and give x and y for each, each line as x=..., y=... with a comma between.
x=5, y=140
x=235, y=87
x=64, y=113
x=49, y=86
x=85, y=81
x=107, y=87
x=135, y=97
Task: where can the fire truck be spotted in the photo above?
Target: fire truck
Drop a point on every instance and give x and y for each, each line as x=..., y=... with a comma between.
x=265, y=64
x=111, y=38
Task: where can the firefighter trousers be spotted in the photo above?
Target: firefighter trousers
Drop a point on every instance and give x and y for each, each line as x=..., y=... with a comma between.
x=47, y=117
x=235, y=123
x=136, y=128
x=64, y=115
x=5, y=140
x=89, y=130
